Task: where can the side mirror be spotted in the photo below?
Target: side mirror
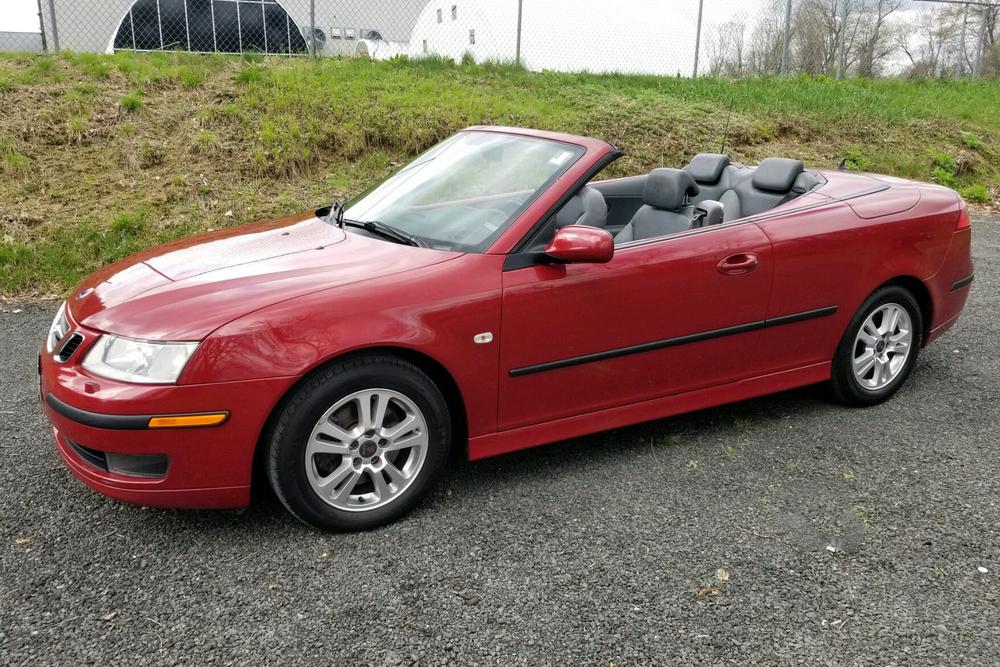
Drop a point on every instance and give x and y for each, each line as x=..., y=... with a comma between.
x=575, y=244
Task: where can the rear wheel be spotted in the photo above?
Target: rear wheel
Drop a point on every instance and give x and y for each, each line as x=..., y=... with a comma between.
x=359, y=444
x=879, y=348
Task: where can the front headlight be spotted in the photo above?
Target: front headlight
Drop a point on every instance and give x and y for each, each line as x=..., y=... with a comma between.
x=141, y=361
x=58, y=329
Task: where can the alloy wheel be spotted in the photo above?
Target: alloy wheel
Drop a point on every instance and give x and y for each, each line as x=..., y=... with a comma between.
x=882, y=346
x=366, y=449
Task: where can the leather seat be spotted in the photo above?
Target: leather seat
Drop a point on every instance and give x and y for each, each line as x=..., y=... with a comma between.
x=587, y=207
x=709, y=171
x=743, y=191
x=665, y=210
x=770, y=186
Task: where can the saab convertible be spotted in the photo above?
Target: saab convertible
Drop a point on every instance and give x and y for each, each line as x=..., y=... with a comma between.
x=491, y=295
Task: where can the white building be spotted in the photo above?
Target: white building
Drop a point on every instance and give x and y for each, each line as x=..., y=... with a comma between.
x=636, y=36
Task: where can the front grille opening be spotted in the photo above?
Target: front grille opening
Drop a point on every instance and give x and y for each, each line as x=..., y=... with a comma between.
x=137, y=465
x=133, y=465
x=69, y=347
x=91, y=456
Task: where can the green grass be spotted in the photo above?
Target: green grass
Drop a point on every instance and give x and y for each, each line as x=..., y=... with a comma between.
x=103, y=155
x=12, y=163
x=132, y=102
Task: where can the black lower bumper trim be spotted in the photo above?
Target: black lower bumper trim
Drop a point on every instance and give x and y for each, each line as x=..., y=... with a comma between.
x=959, y=284
x=97, y=420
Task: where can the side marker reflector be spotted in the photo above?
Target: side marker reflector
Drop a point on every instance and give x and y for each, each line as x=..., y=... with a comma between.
x=188, y=421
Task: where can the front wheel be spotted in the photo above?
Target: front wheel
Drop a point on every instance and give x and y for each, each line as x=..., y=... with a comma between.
x=879, y=348
x=359, y=444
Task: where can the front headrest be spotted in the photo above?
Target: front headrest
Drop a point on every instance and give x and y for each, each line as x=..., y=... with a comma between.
x=777, y=174
x=587, y=207
x=669, y=189
x=707, y=168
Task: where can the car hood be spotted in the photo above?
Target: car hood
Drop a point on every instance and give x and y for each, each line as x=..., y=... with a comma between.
x=187, y=289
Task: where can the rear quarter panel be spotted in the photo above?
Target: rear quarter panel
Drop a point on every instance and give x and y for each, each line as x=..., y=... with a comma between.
x=830, y=256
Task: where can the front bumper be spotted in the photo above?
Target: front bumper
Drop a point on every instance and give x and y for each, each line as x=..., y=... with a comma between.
x=207, y=467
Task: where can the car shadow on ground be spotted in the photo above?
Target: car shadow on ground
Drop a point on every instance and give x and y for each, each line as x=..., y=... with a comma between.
x=691, y=434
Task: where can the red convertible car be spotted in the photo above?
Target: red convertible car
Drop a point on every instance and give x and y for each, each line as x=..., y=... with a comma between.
x=490, y=295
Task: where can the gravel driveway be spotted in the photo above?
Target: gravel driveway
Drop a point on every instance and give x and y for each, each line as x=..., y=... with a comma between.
x=700, y=539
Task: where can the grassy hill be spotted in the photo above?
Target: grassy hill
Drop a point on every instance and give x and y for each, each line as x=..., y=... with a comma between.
x=103, y=155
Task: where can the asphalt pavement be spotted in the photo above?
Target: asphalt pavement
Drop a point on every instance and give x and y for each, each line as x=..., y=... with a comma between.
x=782, y=530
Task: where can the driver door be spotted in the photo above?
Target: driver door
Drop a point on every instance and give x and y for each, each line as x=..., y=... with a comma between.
x=662, y=317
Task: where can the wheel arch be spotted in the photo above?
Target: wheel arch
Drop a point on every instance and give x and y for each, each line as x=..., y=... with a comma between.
x=432, y=367
x=919, y=290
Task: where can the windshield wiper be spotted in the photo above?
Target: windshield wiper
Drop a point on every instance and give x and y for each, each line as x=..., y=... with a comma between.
x=336, y=214
x=385, y=231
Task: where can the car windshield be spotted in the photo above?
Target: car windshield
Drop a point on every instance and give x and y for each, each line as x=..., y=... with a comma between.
x=464, y=192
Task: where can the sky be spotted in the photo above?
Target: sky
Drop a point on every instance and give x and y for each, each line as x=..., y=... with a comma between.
x=19, y=15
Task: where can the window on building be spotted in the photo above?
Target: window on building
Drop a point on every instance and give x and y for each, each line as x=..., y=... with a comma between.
x=472, y=36
x=440, y=17
x=425, y=46
x=335, y=33
x=454, y=12
x=350, y=33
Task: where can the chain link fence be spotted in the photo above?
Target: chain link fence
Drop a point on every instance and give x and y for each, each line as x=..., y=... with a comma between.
x=727, y=38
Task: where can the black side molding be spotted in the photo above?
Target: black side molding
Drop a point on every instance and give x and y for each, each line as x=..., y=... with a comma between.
x=799, y=317
x=673, y=342
x=636, y=349
x=97, y=420
x=959, y=284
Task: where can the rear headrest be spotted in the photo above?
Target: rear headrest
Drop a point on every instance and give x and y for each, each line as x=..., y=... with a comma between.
x=707, y=168
x=587, y=207
x=777, y=174
x=669, y=189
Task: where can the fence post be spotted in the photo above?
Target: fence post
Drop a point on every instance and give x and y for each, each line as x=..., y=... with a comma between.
x=517, y=55
x=52, y=23
x=961, y=50
x=697, y=39
x=978, y=67
x=842, y=48
x=312, y=28
x=41, y=26
x=788, y=38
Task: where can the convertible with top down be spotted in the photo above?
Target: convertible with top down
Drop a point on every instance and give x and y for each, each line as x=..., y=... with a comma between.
x=493, y=294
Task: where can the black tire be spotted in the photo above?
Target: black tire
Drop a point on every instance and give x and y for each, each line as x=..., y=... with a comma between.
x=844, y=385
x=286, y=451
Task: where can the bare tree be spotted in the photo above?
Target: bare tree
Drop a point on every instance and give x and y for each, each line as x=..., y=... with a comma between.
x=818, y=31
x=877, y=40
x=726, y=49
x=991, y=42
x=767, y=41
x=933, y=44
x=870, y=35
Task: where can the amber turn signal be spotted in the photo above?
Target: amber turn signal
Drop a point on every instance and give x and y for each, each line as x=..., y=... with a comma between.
x=188, y=421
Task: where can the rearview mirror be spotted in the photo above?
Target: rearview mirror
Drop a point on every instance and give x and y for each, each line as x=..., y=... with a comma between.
x=575, y=244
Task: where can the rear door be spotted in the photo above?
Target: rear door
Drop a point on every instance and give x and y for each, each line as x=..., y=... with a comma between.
x=662, y=317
